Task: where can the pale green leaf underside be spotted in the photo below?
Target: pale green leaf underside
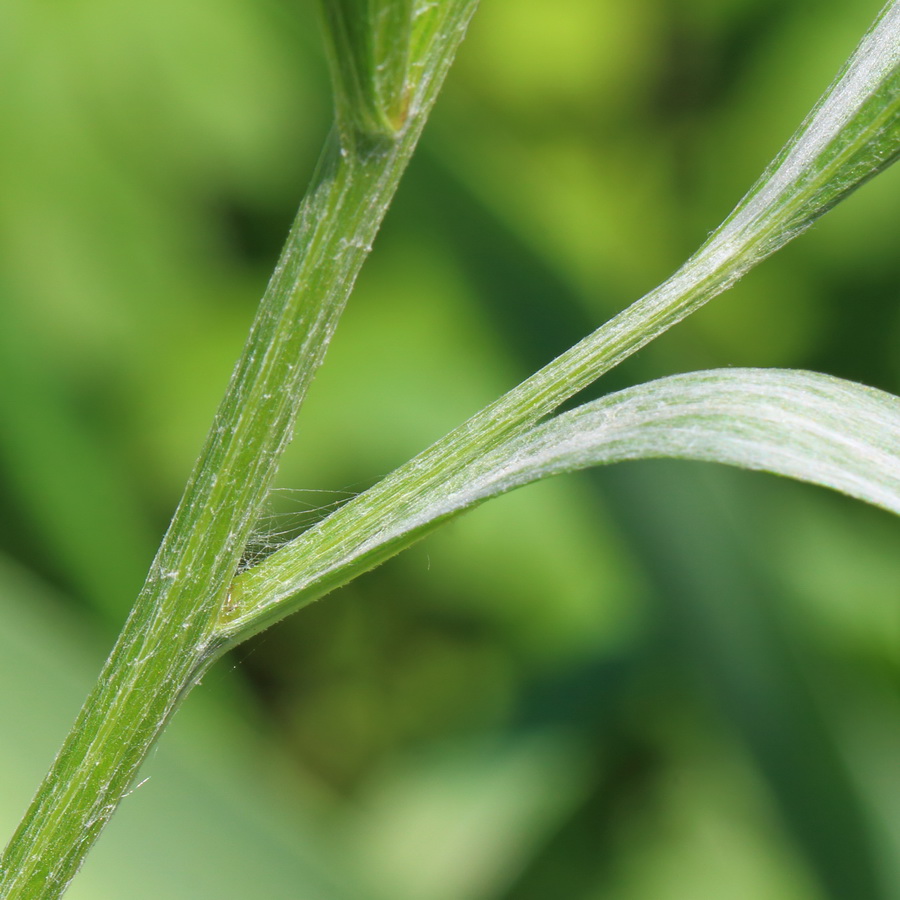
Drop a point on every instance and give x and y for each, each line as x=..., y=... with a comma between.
x=803, y=425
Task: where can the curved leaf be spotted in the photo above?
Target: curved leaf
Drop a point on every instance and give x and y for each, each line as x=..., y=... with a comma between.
x=852, y=134
x=803, y=425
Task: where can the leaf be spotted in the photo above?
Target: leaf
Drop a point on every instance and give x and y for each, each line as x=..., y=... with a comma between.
x=852, y=134
x=803, y=425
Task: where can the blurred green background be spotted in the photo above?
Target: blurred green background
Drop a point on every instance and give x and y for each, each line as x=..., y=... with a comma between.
x=660, y=681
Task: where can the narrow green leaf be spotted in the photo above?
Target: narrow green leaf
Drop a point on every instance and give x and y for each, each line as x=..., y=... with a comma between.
x=803, y=425
x=851, y=135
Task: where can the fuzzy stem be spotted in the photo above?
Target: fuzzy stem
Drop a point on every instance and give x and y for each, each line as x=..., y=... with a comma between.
x=169, y=638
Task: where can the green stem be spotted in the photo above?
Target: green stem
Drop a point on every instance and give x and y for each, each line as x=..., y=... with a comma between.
x=170, y=637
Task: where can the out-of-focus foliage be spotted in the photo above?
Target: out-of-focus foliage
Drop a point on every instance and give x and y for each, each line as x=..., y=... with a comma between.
x=659, y=681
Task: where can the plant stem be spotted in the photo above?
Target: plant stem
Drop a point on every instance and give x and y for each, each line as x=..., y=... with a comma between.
x=169, y=639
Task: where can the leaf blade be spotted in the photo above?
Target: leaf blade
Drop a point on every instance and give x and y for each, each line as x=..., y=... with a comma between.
x=852, y=134
x=803, y=425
